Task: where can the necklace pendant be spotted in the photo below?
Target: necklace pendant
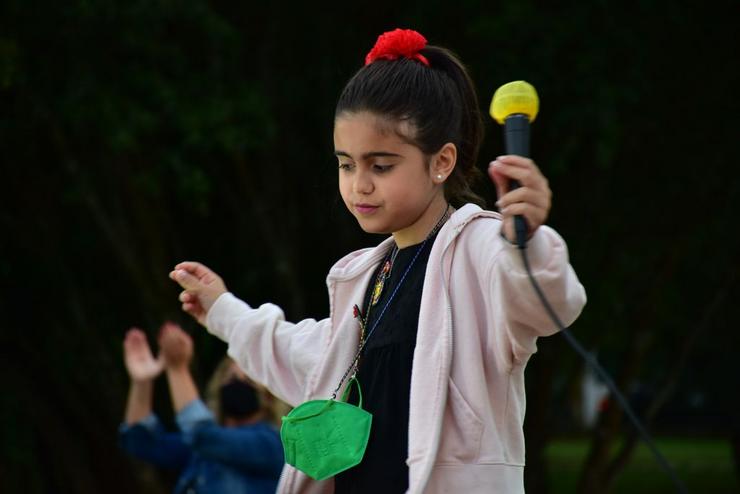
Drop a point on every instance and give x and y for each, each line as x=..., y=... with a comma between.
x=386, y=267
x=377, y=290
x=380, y=282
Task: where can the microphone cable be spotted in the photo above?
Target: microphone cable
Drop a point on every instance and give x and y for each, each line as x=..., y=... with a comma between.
x=662, y=461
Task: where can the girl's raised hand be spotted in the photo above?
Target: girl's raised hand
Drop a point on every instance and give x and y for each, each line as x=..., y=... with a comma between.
x=202, y=288
x=532, y=199
x=140, y=363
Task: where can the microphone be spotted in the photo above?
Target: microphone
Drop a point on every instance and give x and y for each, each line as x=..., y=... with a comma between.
x=515, y=106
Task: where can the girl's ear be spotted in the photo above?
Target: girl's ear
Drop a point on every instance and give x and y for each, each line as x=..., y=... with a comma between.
x=443, y=162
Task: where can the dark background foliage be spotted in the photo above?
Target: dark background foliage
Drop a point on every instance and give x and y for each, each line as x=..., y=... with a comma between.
x=137, y=134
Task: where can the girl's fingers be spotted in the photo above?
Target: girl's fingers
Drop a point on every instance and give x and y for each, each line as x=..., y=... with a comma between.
x=499, y=180
x=532, y=199
x=525, y=176
x=185, y=279
x=522, y=208
x=201, y=287
x=538, y=198
x=520, y=169
x=535, y=216
x=191, y=308
x=516, y=160
x=532, y=225
x=195, y=268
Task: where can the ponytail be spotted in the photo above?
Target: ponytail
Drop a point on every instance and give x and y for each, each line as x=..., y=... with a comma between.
x=458, y=189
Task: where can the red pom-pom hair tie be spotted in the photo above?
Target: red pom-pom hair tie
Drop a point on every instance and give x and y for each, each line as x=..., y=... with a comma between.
x=396, y=44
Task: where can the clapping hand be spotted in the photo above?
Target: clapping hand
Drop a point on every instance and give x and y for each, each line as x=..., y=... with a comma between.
x=140, y=363
x=176, y=346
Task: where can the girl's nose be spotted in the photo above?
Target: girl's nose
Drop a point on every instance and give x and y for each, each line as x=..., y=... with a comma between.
x=363, y=183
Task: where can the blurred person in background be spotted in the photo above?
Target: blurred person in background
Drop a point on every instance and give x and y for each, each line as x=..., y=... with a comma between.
x=233, y=446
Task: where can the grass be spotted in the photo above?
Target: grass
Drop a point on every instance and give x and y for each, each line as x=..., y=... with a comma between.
x=704, y=465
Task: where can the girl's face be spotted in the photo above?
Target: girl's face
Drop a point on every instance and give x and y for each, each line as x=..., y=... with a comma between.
x=385, y=182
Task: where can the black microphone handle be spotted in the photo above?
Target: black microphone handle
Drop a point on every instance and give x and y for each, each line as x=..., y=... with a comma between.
x=516, y=140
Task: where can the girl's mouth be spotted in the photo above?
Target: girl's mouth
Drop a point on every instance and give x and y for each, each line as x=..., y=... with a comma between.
x=365, y=208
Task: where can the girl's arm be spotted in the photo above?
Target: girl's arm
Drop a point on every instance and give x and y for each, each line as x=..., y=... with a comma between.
x=515, y=303
x=278, y=354
x=514, y=297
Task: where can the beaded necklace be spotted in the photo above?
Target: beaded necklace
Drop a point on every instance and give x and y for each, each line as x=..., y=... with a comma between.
x=378, y=289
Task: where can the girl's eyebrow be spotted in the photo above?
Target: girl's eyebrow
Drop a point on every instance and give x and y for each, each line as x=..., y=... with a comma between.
x=371, y=154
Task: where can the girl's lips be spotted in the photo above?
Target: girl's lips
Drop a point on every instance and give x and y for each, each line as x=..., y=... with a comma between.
x=365, y=208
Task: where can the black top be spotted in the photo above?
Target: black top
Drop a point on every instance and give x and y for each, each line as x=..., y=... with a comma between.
x=385, y=378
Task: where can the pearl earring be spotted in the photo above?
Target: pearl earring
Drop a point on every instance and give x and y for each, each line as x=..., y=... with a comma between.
x=439, y=177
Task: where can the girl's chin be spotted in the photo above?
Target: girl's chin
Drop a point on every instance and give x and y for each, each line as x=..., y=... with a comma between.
x=372, y=227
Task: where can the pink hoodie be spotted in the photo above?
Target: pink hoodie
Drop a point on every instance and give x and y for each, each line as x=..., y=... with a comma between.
x=478, y=325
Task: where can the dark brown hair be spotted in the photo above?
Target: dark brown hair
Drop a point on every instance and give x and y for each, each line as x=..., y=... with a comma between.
x=439, y=101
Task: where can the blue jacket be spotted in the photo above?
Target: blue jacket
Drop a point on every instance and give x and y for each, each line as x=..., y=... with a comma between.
x=212, y=459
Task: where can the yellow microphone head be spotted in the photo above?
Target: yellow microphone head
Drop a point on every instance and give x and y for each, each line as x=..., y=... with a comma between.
x=512, y=98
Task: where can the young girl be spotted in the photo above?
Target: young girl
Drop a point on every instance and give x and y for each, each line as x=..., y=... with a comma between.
x=444, y=305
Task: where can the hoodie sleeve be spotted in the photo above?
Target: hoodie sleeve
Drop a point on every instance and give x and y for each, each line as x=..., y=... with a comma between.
x=278, y=354
x=517, y=302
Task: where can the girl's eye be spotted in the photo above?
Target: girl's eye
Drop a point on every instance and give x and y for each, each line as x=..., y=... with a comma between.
x=382, y=168
x=346, y=166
